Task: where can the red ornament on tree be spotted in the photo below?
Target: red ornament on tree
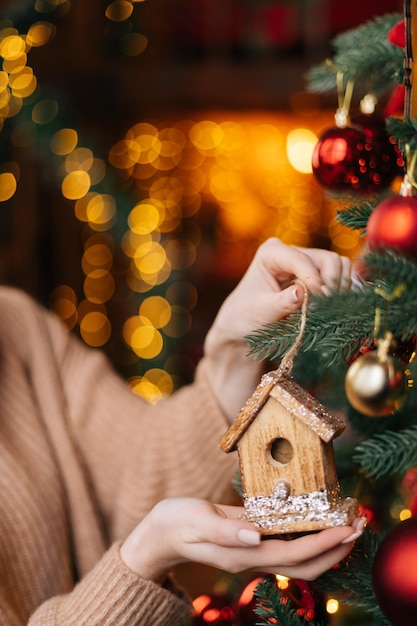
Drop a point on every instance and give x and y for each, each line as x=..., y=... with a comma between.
x=394, y=574
x=336, y=157
x=360, y=156
x=393, y=225
x=384, y=160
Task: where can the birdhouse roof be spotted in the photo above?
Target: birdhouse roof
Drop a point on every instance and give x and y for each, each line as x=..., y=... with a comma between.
x=298, y=402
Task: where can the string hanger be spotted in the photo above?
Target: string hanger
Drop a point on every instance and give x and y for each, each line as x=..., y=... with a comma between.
x=287, y=361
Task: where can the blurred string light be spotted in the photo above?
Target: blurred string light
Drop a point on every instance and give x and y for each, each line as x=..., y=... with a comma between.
x=252, y=167
x=119, y=13
x=332, y=606
x=76, y=169
x=249, y=167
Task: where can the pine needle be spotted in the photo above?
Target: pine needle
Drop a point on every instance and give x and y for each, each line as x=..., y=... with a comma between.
x=356, y=216
x=339, y=325
x=272, y=608
x=363, y=53
x=351, y=582
x=388, y=453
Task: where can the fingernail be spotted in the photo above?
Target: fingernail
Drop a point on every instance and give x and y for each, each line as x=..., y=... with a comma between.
x=249, y=537
x=358, y=525
x=295, y=296
x=352, y=537
x=326, y=290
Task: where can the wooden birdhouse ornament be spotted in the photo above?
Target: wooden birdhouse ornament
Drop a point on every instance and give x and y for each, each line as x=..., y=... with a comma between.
x=284, y=437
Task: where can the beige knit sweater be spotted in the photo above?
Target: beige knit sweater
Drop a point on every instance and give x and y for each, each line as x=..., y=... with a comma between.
x=82, y=459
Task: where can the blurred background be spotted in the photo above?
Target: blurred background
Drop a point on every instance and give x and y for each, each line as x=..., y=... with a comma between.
x=147, y=148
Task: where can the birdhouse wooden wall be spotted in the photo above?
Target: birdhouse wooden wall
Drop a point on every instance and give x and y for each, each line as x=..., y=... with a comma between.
x=279, y=447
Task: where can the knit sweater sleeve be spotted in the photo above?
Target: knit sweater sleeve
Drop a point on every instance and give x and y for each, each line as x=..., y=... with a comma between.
x=134, y=453
x=112, y=457
x=112, y=594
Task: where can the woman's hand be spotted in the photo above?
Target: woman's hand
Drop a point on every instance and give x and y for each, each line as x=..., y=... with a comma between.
x=265, y=294
x=179, y=530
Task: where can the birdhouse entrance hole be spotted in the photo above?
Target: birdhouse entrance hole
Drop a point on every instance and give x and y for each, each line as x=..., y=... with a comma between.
x=282, y=451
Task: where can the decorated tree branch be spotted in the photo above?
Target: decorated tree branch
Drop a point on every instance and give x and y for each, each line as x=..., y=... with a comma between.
x=357, y=352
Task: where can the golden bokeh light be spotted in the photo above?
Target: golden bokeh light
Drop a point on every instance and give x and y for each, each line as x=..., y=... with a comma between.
x=99, y=286
x=63, y=302
x=153, y=386
x=147, y=342
x=101, y=211
x=97, y=255
x=13, y=106
x=206, y=136
x=131, y=241
x=157, y=310
x=145, y=388
x=133, y=44
x=119, y=10
x=8, y=186
x=282, y=581
x=23, y=83
x=332, y=606
x=4, y=81
x=45, y=111
x=79, y=159
x=40, y=33
x=144, y=339
x=13, y=66
x=300, y=146
x=12, y=46
x=64, y=141
x=124, y=154
x=145, y=217
x=150, y=258
x=405, y=514
x=160, y=379
x=75, y=185
x=95, y=329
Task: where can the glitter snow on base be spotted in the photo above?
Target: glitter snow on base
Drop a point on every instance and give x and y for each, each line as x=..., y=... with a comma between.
x=278, y=513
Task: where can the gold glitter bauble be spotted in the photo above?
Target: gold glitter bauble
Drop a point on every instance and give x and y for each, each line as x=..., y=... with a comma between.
x=376, y=386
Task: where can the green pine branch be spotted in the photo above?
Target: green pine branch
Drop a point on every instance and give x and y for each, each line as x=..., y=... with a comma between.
x=387, y=453
x=351, y=582
x=272, y=608
x=405, y=132
x=356, y=217
x=339, y=325
x=362, y=54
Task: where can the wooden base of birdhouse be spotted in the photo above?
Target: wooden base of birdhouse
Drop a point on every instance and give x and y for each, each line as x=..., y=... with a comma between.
x=301, y=513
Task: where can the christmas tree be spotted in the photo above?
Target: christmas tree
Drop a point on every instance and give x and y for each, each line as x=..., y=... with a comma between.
x=369, y=331
x=358, y=348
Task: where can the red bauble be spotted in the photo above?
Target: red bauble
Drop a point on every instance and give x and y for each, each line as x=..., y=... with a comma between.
x=394, y=574
x=393, y=225
x=336, y=156
x=384, y=158
x=359, y=157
